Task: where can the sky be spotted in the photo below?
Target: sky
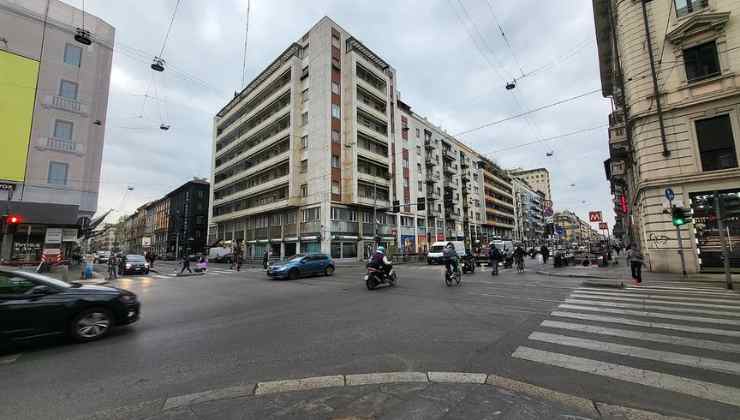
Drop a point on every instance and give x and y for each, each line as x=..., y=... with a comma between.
x=451, y=60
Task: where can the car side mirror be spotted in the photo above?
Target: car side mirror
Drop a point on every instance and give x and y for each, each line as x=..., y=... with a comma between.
x=41, y=290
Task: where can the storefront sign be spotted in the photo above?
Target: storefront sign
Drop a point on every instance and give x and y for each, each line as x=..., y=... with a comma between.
x=68, y=235
x=53, y=236
x=146, y=241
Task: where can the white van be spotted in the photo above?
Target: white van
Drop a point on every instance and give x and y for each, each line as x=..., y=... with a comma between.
x=436, y=252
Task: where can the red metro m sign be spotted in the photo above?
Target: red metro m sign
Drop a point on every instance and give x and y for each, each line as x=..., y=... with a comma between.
x=594, y=216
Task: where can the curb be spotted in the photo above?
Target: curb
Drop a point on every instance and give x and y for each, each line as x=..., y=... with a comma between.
x=574, y=276
x=593, y=409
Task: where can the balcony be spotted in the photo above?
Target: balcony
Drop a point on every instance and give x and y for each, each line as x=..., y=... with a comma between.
x=340, y=226
x=60, y=145
x=372, y=109
x=448, y=169
x=369, y=201
x=432, y=177
x=432, y=195
x=66, y=104
x=261, y=233
x=616, y=118
x=253, y=190
x=276, y=232
x=375, y=135
x=373, y=179
x=254, y=169
x=269, y=141
x=430, y=161
x=290, y=230
x=448, y=154
x=372, y=155
x=310, y=227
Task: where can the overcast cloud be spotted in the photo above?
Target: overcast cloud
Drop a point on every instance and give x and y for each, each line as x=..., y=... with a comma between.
x=442, y=75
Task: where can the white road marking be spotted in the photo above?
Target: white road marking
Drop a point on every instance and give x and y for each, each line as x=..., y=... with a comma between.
x=653, y=315
x=159, y=276
x=639, y=352
x=658, y=301
x=625, y=321
x=657, y=307
x=645, y=289
x=645, y=336
x=687, y=386
x=716, y=290
x=6, y=360
x=678, y=298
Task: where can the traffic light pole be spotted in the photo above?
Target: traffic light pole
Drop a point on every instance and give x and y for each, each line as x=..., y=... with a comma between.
x=680, y=251
x=723, y=240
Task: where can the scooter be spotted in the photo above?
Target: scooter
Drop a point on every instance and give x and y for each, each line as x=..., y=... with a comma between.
x=375, y=277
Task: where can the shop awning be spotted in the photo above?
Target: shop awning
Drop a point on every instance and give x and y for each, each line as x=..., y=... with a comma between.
x=45, y=213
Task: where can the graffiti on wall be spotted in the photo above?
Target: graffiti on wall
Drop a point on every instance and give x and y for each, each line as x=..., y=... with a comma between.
x=657, y=241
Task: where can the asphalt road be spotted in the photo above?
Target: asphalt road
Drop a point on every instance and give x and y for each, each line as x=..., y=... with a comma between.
x=225, y=328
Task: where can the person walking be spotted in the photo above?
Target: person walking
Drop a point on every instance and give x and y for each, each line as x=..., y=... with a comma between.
x=186, y=265
x=494, y=256
x=636, y=261
x=112, y=267
x=545, y=254
x=265, y=257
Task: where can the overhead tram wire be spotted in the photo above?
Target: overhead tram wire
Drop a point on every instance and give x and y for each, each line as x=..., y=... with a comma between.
x=503, y=35
x=546, y=139
x=540, y=108
x=532, y=126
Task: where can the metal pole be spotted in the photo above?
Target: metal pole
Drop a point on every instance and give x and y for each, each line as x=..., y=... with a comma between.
x=375, y=213
x=680, y=251
x=656, y=92
x=723, y=239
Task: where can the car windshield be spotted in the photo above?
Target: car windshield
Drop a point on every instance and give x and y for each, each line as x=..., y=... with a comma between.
x=296, y=257
x=46, y=279
x=437, y=248
x=134, y=258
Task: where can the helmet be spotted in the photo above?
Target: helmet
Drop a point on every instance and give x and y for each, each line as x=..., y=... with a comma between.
x=450, y=245
x=381, y=249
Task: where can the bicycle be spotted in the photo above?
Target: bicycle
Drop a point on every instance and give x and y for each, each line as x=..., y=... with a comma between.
x=520, y=265
x=452, y=276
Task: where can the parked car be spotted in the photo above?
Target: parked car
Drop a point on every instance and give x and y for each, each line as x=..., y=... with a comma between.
x=101, y=257
x=219, y=254
x=34, y=305
x=301, y=266
x=133, y=264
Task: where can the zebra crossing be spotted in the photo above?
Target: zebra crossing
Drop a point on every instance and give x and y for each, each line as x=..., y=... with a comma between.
x=211, y=272
x=689, y=335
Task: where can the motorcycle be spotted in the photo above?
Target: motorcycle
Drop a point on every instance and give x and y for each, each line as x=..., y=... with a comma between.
x=468, y=265
x=376, y=277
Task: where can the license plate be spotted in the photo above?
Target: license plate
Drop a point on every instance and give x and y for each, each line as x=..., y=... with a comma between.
x=366, y=277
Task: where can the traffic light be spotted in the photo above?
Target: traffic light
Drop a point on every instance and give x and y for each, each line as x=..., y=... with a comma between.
x=396, y=206
x=14, y=219
x=679, y=216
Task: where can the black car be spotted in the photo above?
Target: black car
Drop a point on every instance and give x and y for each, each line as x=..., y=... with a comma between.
x=133, y=264
x=33, y=305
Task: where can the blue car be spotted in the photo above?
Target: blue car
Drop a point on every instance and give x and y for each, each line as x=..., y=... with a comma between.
x=302, y=266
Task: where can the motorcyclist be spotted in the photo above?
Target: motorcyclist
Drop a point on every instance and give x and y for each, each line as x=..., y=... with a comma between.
x=380, y=261
x=494, y=256
x=451, y=258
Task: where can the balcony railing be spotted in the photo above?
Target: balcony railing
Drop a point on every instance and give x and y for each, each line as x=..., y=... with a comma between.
x=60, y=145
x=310, y=227
x=290, y=229
x=340, y=226
x=66, y=104
x=261, y=233
x=276, y=232
x=449, y=154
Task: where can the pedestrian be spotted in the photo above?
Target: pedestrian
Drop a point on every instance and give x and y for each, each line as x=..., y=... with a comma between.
x=265, y=257
x=153, y=256
x=494, y=256
x=186, y=265
x=545, y=254
x=112, y=267
x=636, y=261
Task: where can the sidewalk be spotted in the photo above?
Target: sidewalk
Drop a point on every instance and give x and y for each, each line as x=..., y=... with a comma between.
x=622, y=272
x=391, y=395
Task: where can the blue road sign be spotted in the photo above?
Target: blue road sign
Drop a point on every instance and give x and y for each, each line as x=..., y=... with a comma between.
x=559, y=230
x=669, y=194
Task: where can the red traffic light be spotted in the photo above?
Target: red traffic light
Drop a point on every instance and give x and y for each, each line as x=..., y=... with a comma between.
x=14, y=219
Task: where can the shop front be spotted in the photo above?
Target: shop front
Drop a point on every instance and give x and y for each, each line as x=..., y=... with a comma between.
x=708, y=239
x=44, y=227
x=408, y=244
x=344, y=247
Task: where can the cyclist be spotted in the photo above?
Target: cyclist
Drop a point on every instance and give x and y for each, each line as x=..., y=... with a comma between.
x=519, y=257
x=451, y=258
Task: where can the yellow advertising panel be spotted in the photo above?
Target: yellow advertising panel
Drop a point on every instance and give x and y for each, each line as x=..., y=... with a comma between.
x=18, y=77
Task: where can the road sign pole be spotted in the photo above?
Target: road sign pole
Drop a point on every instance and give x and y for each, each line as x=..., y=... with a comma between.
x=723, y=240
x=680, y=251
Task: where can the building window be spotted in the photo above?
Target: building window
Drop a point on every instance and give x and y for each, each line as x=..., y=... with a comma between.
x=304, y=166
x=304, y=96
x=72, y=55
x=418, y=150
x=63, y=130
x=418, y=167
x=421, y=186
x=335, y=113
x=335, y=138
x=716, y=143
x=58, y=173
x=405, y=182
x=701, y=61
x=304, y=142
x=405, y=163
x=304, y=190
x=335, y=88
x=68, y=89
x=335, y=41
x=684, y=7
x=335, y=188
x=418, y=133
x=334, y=161
x=304, y=73
x=304, y=119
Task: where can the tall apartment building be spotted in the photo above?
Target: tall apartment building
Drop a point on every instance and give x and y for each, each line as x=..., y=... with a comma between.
x=672, y=70
x=574, y=228
x=54, y=96
x=313, y=154
x=528, y=204
x=172, y=226
x=499, y=201
x=538, y=179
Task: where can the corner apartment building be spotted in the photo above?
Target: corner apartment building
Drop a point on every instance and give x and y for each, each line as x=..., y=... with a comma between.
x=499, y=202
x=672, y=70
x=528, y=204
x=538, y=179
x=172, y=226
x=54, y=96
x=574, y=228
x=314, y=154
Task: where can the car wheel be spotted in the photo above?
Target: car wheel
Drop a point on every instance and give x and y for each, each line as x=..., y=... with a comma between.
x=293, y=274
x=329, y=270
x=147, y=271
x=429, y=262
x=91, y=324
